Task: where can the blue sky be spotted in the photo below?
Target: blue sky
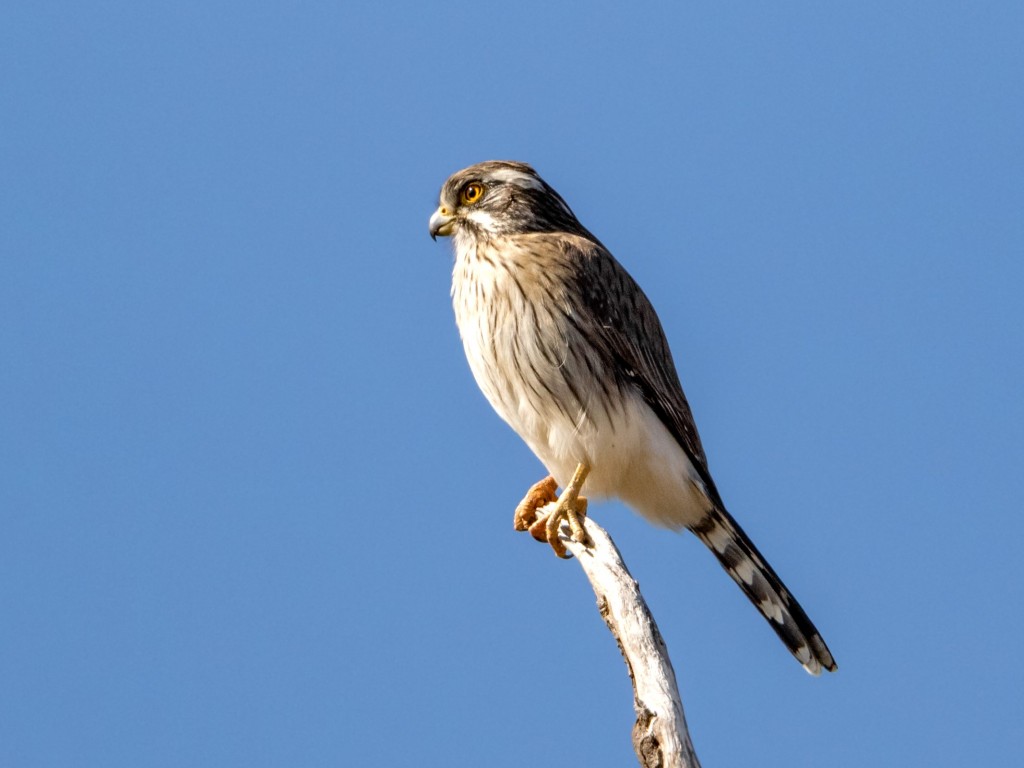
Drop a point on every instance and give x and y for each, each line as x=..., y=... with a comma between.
x=254, y=510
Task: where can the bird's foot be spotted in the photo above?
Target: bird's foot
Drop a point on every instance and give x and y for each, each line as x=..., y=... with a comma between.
x=542, y=512
x=539, y=494
x=572, y=511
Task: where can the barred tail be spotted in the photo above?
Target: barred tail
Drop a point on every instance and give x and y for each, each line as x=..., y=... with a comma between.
x=738, y=555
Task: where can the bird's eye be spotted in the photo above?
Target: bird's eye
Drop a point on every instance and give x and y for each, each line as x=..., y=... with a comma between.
x=471, y=193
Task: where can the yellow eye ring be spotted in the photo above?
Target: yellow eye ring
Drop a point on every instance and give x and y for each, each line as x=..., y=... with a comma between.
x=471, y=193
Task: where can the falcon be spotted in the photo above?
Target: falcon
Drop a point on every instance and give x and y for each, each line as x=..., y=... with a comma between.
x=570, y=353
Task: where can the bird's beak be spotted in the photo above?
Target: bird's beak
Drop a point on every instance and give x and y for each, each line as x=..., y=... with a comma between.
x=441, y=223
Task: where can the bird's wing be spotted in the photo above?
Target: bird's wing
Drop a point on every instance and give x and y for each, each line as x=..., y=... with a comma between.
x=629, y=333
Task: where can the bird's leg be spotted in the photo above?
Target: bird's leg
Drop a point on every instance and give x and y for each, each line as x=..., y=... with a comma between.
x=570, y=507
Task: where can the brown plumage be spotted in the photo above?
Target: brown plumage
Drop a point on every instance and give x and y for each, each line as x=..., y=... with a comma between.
x=571, y=354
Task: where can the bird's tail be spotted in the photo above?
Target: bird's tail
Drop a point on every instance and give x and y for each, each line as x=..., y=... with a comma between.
x=738, y=555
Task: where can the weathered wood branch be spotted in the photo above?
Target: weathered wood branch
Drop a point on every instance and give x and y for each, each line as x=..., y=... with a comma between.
x=660, y=736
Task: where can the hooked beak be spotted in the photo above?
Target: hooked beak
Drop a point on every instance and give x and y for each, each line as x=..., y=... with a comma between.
x=441, y=223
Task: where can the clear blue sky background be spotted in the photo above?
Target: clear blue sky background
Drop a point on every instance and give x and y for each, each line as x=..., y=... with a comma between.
x=253, y=509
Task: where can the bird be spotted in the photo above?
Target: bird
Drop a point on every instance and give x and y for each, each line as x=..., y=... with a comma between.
x=570, y=353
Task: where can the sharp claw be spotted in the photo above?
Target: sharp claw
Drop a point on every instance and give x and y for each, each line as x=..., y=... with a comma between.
x=538, y=529
x=553, y=523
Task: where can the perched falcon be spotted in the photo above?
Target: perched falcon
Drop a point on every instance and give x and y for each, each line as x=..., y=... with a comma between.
x=570, y=353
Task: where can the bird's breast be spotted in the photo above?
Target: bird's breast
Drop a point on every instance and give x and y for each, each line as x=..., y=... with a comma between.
x=527, y=356
x=514, y=342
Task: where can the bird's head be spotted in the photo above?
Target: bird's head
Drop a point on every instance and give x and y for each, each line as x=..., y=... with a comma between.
x=498, y=198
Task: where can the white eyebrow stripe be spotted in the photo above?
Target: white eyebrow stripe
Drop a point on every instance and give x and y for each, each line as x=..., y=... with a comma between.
x=519, y=178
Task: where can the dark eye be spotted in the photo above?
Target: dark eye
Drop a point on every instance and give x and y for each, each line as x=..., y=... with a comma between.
x=471, y=193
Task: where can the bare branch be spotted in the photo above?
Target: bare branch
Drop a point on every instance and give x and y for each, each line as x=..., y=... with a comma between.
x=660, y=736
